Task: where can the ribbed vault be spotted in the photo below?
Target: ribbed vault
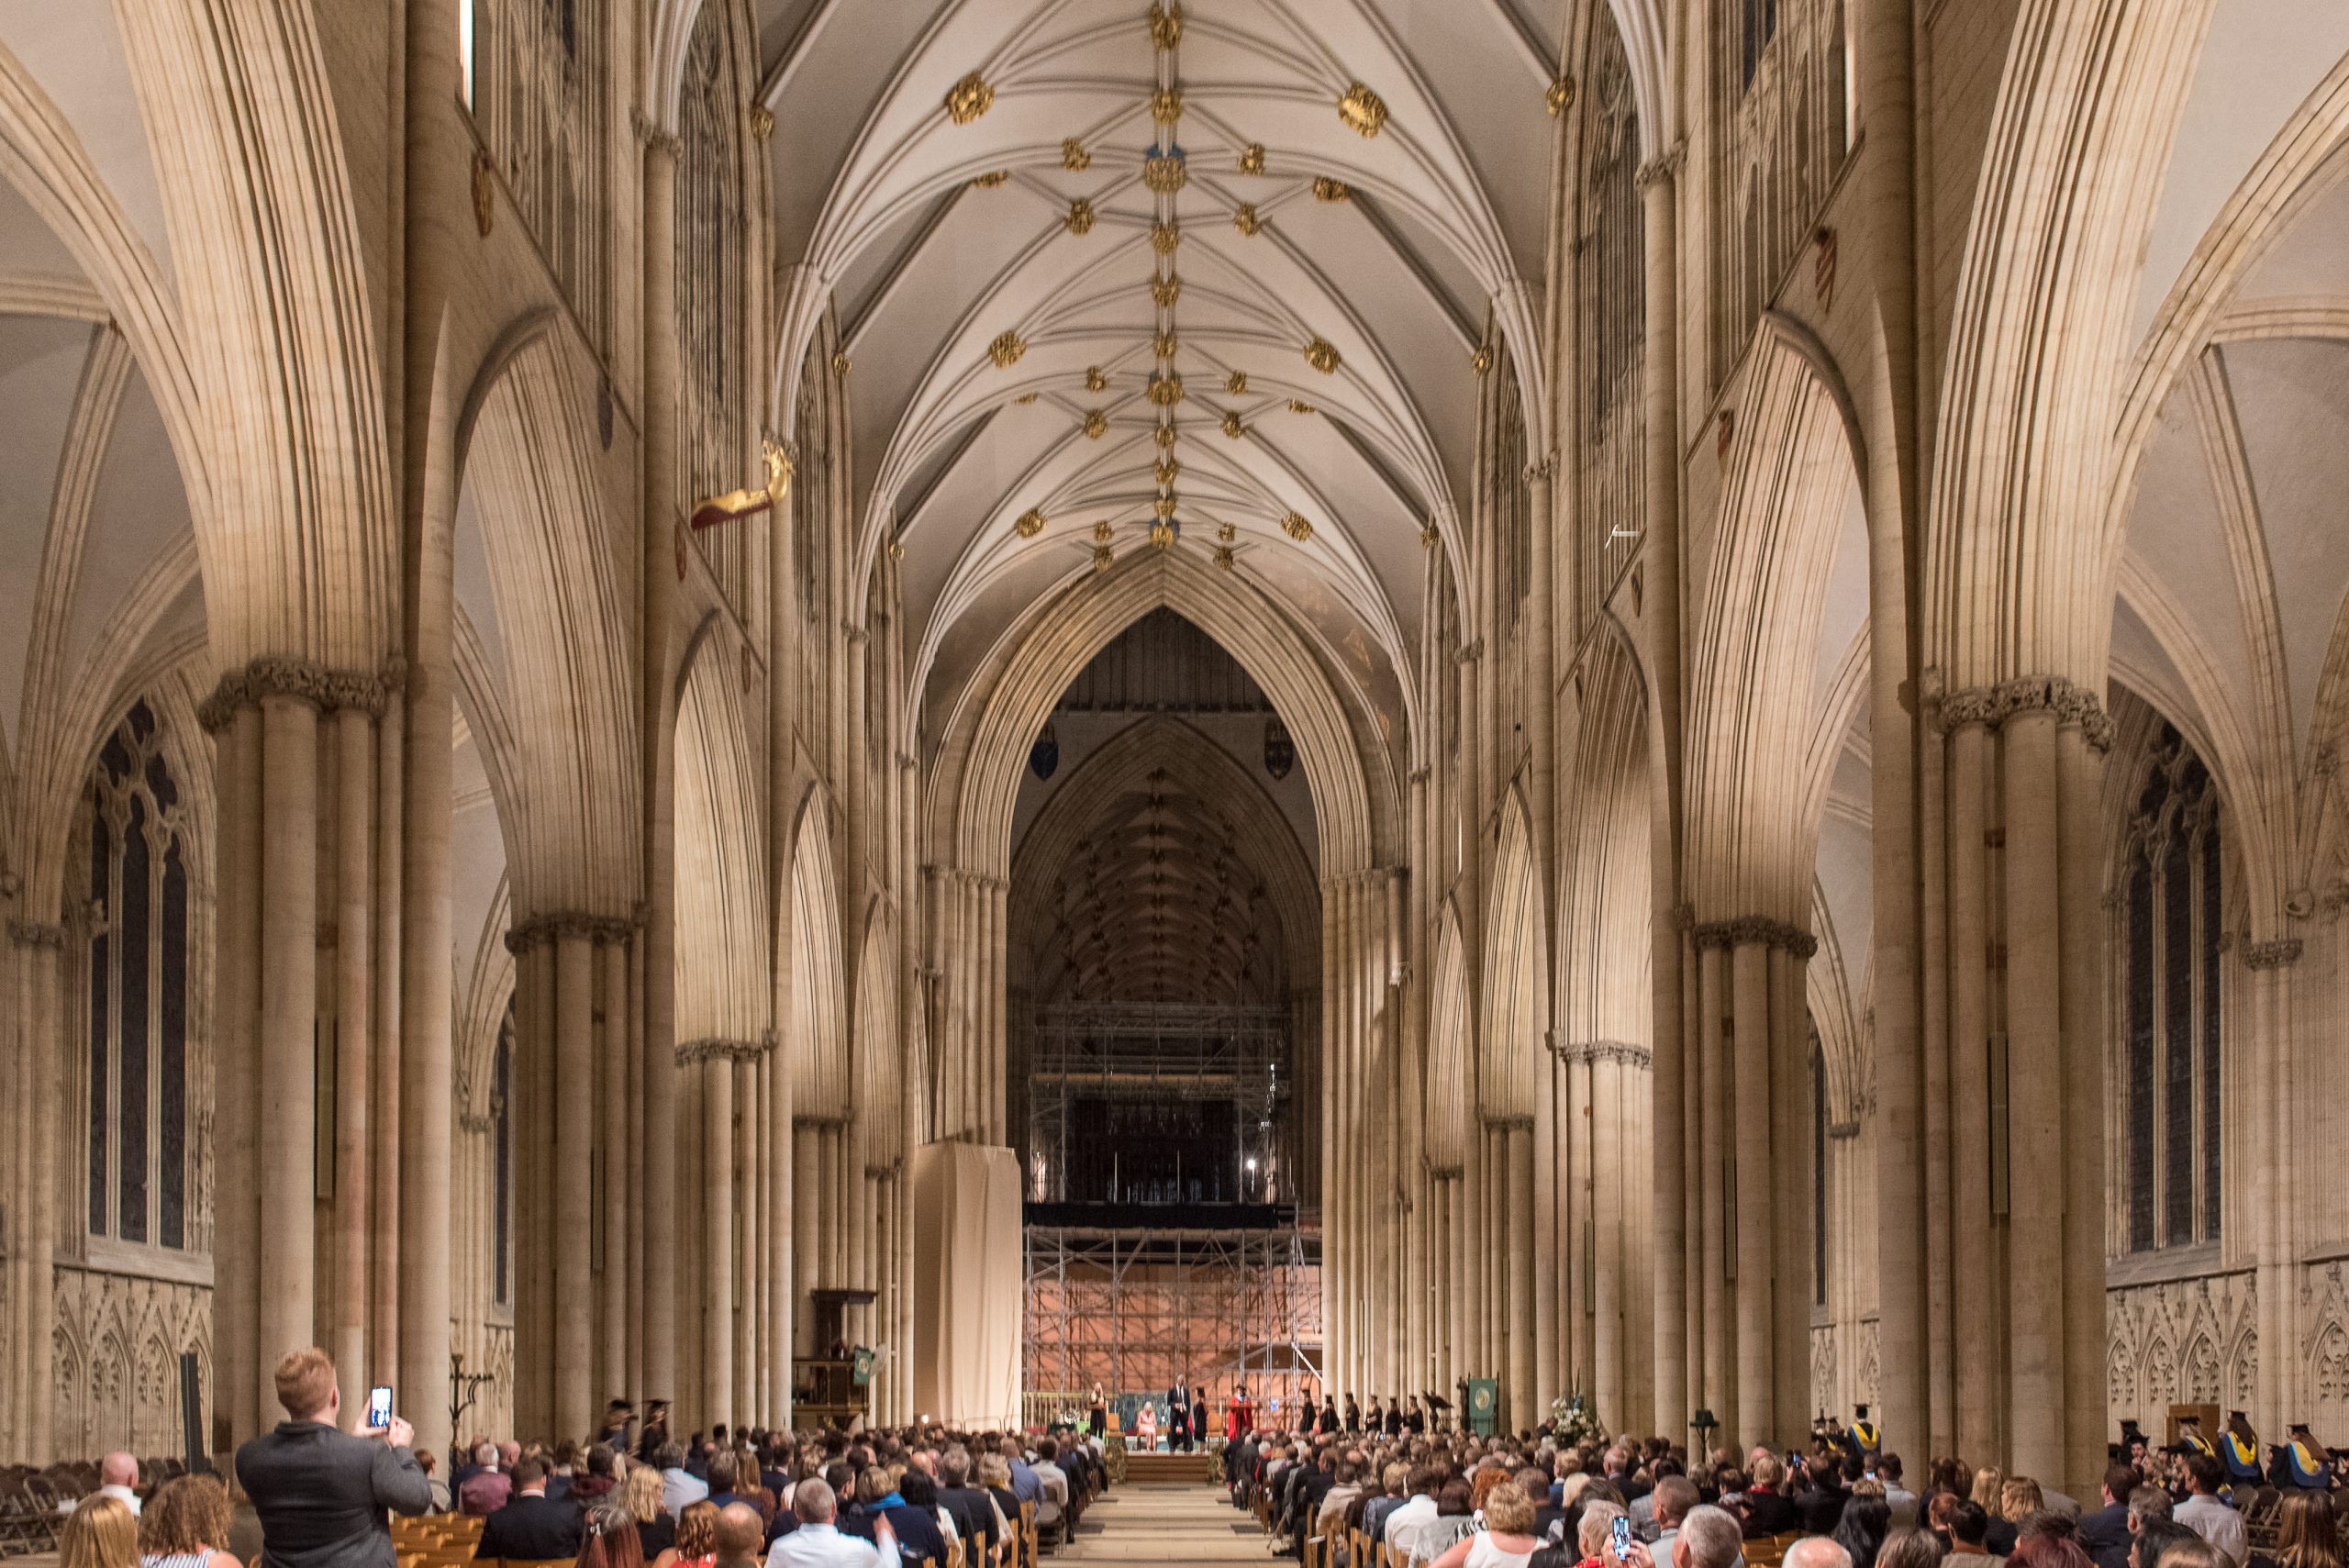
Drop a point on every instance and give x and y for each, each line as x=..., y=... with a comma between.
x=1162, y=872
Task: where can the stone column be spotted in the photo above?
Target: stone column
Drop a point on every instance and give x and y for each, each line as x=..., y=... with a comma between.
x=383, y=1120
x=1976, y=1288
x=1675, y=1302
x=805, y=1132
x=435, y=197
x=659, y=1210
x=236, y=1026
x=1748, y=1114
x=1524, y=1404
x=1712, y=1150
x=614, y=1192
x=716, y=1285
x=287, y=1100
x=574, y=1153
x=353, y=735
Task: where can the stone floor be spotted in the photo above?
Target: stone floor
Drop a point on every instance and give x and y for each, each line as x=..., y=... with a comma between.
x=1175, y=1523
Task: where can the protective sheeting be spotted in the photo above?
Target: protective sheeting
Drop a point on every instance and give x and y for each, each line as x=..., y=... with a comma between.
x=967, y=1286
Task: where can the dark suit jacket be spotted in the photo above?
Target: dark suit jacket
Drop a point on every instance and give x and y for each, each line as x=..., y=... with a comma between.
x=321, y=1495
x=531, y=1529
x=2104, y=1534
x=973, y=1513
x=1766, y=1512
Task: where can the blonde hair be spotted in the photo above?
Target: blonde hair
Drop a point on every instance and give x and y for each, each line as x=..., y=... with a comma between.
x=1508, y=1510
x=642, y=1493
x=102, y=1533
x=1986, y=1484
x=994, y=1471
x=2020, y=1499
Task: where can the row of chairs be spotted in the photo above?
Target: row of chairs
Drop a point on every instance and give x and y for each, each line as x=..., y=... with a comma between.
x=34, y=1501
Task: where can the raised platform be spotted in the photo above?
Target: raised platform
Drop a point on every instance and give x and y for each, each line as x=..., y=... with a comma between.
x=1167, y=1467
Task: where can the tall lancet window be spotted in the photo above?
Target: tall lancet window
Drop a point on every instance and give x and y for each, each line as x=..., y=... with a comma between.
x=712, y=251
x=137, y=995
x=2171, y=901
x=501, y=1154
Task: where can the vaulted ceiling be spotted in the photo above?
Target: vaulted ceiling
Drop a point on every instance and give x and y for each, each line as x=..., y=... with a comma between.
x=965, y=184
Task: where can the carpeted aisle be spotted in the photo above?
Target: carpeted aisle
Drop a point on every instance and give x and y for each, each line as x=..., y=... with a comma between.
x=1174, y=1523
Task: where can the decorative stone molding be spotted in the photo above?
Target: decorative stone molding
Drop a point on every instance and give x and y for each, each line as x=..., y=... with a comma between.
x=1509, y=1124
x=855, y=632
x=469, y=1121
x=1541, y=470
x=2281, y=953
x=1991, y=707
x=540, y=929
x=819, y=1124
x=1446, y=1172
x=1420, y=773
x=693, y=1051
x=328, y=691
x=1665, y=166
x=36, y=934
x=1754, y=928
x=889, y=1172
x=1843, y=1129
x=654, y=138
x=1470, y=653
x=1576, y=1051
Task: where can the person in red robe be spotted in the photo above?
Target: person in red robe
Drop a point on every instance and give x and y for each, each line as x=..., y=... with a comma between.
x=1241, y=1417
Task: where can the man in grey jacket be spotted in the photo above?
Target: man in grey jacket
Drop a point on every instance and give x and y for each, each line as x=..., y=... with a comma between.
x=320, y=1492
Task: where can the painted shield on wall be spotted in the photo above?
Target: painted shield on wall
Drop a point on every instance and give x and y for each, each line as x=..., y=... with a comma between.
x=1280, y=751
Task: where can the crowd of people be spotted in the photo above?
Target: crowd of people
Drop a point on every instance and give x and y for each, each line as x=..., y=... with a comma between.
x=1531, y=1500
x=311, y=1494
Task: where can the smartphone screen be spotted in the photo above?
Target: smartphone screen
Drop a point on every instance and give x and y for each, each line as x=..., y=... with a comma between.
x=1622, y=1539
x=379, y=1406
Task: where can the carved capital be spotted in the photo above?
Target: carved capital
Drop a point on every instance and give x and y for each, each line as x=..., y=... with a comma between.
x=712, y=1049
x=1541, y=470
x=818, y=1123
x=1446, y=1173
x=327, y=690
x=654, y=138
x=540, y=930
x=1990, y=707
x=36, y=934
x=2281, y=953
x=469, y=1121
x=1470, y=651
x=1578, y=1051
x=1664, y=166
x=1509, y=1124
x=1756, y=930
x=1843, y=1129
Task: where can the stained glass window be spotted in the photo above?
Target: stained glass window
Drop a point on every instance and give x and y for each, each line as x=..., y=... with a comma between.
x=137, y=989
x=2171, y=1060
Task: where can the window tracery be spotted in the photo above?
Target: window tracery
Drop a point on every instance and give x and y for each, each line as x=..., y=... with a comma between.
x=710, y=280
x=134, y=832
x=1781, y=127
x=1612, y=300
x=2171, y=917
x=537, y=73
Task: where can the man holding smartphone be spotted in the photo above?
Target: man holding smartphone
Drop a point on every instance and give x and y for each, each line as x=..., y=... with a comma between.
x=321, y=1493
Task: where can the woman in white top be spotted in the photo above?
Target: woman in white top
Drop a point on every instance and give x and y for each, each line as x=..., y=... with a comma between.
x=1146, y=1425
x=1505, y=1542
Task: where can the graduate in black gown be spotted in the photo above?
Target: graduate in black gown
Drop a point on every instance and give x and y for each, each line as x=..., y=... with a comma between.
x=1178, y=1419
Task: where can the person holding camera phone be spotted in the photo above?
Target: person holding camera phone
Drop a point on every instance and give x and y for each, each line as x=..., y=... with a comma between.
x=321, y=1493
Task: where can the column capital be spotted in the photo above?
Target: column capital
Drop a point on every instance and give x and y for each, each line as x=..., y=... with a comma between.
x=36, y=934
x=716, y=1050
x=1446, y=1173
x=654, y=138
x=1572, y=1052
x=1663, y=166
x=2281, y=953
x=1470, y=651
x=326, y=689
x=1543, y=470
x=1758, y=930
x=1509, y=1124
x=819, y=1124
x=540, y=929
x=1991, y=707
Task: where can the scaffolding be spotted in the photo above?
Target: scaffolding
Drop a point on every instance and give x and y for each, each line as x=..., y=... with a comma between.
x=1139, y=1309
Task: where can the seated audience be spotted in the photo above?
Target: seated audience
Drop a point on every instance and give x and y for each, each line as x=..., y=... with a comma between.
x=533, y=1527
